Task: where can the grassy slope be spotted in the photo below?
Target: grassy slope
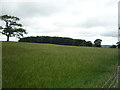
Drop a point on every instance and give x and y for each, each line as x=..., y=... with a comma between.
x=52, y=66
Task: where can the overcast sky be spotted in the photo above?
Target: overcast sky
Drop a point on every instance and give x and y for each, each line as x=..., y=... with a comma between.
x=78, y=19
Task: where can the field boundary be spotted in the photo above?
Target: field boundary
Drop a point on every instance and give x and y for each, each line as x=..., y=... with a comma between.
x=118, y=81
x=112, y=82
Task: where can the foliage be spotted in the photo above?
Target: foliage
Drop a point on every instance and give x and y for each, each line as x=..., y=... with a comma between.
x=118, y=44
x=32, y=65
x=113, y=46
x=57, y=40
x=97, y=43
x=11, y=27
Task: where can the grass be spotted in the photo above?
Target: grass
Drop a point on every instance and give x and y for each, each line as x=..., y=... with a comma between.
x=34, y=65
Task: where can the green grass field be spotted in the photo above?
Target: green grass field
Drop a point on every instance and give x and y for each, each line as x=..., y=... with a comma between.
x=34, y=65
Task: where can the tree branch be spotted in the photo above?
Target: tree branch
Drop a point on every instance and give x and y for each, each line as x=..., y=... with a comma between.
x=15, y=24
x=3, y=33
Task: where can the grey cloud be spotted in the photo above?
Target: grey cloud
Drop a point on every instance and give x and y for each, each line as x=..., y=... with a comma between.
x=110, y=34
x=29, y=9
x=46, y=8
x=37, y=9
x=64, y=24
x=99, y=21
x=91, y=23
x=119, y=13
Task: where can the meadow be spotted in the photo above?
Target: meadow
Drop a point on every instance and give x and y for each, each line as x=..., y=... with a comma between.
x=35, y=65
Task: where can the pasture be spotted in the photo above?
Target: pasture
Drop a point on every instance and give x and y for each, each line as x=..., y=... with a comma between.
x=35, y=65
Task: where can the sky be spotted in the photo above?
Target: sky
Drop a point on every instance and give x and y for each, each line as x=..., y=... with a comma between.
x=77, y=19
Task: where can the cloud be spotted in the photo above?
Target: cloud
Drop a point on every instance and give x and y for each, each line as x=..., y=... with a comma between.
x=82, y=19
x=29, y=9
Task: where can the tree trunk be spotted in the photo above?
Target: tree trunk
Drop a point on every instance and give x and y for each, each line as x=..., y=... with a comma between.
x=8, y=38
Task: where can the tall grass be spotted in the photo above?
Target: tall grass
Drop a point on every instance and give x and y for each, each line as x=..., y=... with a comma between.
x=32, y=65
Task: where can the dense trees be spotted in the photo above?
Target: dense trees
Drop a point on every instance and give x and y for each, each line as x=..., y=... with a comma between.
x=11, y=27
x=113, y=46
x=97, y=43
x=57, y=40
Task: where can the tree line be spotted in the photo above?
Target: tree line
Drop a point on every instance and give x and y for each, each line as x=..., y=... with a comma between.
x=60, y=41
x=14, y=29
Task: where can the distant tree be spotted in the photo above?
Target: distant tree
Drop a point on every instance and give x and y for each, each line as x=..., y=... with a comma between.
x=89, y=43
x=113, y=46
x=57, y=40
x=11, y=27
x=97, y=43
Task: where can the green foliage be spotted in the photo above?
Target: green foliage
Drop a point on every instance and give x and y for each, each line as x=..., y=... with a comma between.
x=32, y=65
x=113, y=46
x=97, y=43
x=57, y=40
x=11, y=27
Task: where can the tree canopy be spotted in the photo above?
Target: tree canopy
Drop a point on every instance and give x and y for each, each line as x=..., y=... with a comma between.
x=113, y=46
x=97, y=43
x=57, y=40
x=118, y=44
x=11, y=28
